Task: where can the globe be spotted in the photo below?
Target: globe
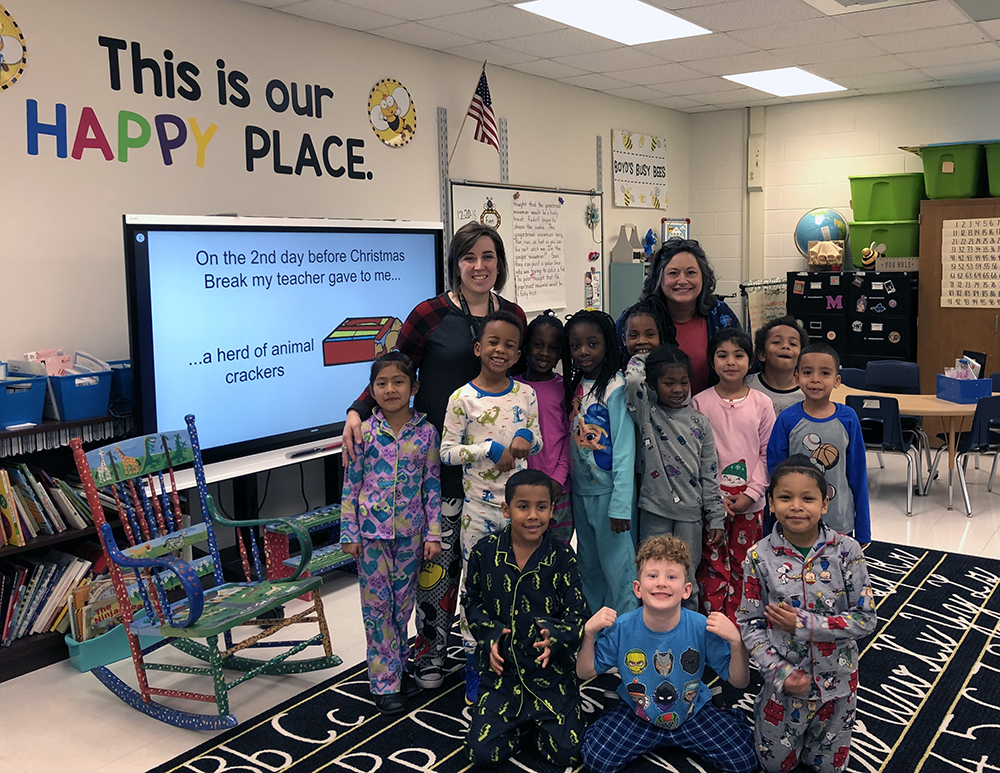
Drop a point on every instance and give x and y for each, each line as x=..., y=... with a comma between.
x=819, y=225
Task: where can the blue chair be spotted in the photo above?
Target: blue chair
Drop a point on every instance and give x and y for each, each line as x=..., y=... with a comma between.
x=883, y=432
x=982, y=438
x=853, y=377
x=996, y=381
x=901, y=378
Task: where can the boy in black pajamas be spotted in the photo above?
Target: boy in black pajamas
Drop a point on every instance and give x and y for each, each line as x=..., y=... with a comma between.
x=525, y=606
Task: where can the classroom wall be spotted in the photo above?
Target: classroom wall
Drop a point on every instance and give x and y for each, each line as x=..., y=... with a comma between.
x=811, y=148
x=62, y=216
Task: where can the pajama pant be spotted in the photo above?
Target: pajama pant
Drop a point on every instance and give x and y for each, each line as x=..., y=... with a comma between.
x=561, y=523
x=437, y=589
x=651, y=524
x=478, y=519
x=387, y=576
x=494, y=737
x=720, y=573
x=606, y=560
x=721, y=737
x=786, y=734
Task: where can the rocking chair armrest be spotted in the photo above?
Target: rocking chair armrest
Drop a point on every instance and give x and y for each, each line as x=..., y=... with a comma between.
x=301, y=534
x=181, y=568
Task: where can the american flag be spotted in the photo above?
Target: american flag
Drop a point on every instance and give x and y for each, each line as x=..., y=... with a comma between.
x=481, y=108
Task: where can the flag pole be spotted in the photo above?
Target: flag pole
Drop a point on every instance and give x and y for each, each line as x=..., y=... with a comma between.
x=464, y=120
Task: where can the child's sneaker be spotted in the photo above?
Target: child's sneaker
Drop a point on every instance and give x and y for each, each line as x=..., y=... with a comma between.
x=471, y=681
x=429, y=676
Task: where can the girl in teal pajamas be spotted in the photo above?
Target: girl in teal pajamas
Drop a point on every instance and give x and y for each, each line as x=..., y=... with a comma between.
x=602, y=461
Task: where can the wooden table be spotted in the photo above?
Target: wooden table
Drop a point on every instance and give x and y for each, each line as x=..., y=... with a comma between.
x=952, y=414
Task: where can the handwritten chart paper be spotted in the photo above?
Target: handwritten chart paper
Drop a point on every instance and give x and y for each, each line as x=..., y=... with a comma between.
x=970, y=263
x=539, y=263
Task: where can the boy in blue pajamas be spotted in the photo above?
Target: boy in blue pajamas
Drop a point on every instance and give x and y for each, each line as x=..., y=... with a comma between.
x=661, y=651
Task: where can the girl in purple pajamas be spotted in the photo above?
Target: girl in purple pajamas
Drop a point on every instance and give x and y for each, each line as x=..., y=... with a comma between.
x=390, y=518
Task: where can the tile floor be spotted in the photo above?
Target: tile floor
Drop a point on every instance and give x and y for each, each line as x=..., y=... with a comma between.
x=58, y=719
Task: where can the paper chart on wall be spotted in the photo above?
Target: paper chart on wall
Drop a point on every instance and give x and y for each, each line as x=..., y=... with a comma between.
x=970, y=263
x=539, y=265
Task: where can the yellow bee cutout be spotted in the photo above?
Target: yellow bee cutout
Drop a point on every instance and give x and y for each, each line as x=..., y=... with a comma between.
x=627, y=195
x=391, y=111
x=13, y=52
x=654, y=143
x=627, y=140
x=656, y=197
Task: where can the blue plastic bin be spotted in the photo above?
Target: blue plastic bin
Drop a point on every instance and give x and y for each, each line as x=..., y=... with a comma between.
x=963, y=390
x=79, y=397
x=21, y=400
x=121, y=380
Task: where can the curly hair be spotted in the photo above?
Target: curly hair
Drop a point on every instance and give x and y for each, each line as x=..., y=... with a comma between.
x=652, y=287
x=572, y=375
x=760, y=337
x=663, y=547
x=655, y=308
x=463, y=241
x=502, y=315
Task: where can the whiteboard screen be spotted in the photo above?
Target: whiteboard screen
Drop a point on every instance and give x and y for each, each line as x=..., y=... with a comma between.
x=556, y=260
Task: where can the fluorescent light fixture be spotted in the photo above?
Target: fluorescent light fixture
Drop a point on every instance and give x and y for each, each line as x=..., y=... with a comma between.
x=626, y=21
x=785, y=82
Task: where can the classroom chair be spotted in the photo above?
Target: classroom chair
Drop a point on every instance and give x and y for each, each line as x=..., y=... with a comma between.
x=882, y=430
x=981, y=438
x=901, y=378
x=161, y=594
x=853, y=377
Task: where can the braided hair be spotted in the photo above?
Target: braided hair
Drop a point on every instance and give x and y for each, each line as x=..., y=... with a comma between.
x=546, y=318
x=609, y=365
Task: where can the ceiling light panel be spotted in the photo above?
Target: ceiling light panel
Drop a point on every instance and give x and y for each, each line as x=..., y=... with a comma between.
x=630, y=22
x=785, y=82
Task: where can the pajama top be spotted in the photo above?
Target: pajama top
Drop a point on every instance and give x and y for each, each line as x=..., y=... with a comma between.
x=393, y=488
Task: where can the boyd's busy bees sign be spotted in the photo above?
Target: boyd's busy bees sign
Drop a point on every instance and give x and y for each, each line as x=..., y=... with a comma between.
x=639, y=170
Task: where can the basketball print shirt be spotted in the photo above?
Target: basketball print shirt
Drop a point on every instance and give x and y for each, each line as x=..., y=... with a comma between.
x=835, y=445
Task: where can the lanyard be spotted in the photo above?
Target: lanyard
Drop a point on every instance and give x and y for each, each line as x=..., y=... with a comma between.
x=473, y=325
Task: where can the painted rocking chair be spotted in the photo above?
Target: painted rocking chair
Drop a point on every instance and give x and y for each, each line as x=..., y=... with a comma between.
x=161, y=595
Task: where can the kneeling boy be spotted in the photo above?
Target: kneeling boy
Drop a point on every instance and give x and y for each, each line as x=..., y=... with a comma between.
x=661, y=651
x=525, y=606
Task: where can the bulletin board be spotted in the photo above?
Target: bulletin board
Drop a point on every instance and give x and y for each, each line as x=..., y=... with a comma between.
x=555, y=258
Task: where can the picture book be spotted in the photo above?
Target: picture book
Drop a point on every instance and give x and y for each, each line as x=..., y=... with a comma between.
x=19, y=575
x=27, y=501
x=41, y=582
x=10, y=522
x=42, y=497
x=67, y=511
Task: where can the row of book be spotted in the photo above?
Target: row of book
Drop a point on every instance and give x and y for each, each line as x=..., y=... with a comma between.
x=32, y=503
x=34, y=591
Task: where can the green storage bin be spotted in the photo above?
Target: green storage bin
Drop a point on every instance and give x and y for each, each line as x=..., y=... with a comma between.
x=887, y=196
x=993, y=167
x=900, y=237
x=953, y=171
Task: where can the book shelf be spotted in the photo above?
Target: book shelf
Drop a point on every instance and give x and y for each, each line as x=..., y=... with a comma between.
x=46, y=445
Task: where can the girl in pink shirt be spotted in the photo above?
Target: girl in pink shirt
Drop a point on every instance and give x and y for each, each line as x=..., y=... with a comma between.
x=543, y=348
x=741, y=419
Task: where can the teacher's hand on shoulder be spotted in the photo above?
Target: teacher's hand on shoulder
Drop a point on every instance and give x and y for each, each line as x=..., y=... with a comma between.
x=351, y=445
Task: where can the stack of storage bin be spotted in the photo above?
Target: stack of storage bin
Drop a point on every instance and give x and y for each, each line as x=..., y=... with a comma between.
x=886, y=211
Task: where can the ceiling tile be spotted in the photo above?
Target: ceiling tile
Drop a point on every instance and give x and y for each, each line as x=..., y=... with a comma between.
x=696, y=87
x=834, y=70
x=812, y=31
x=991, y=28
x=638, y=93
x=491, y=53
x=925, y=40
x=594, y=81
x=734, y=98
x=875, y=79
x=676, y=5
x=662, y=73
x=841, y=50
x=270, y=3
x=341, y=14
x=545, y=68
x=565, y=42
x=731, y=65
x=920, y=16
x=700, y=47
x=897, y=89
x=623, y=58
x=675, y=103
x=703, y=109
x=975, y=72
x=747, y=14
x=414, y=10
x=943, y=56
x=494, y=23
x=417, y=34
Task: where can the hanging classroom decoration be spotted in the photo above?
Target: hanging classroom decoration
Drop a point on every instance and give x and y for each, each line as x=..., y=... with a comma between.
x=489, y=215
x=12, y=50
x=392, y=113
x=639, y=170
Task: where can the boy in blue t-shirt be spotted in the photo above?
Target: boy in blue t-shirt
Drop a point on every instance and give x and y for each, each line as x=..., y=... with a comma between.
x=830, y=434
x=661, y=651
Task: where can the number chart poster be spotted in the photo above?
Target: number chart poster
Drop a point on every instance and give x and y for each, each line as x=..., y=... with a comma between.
x=970, y=263
x=639, y=170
